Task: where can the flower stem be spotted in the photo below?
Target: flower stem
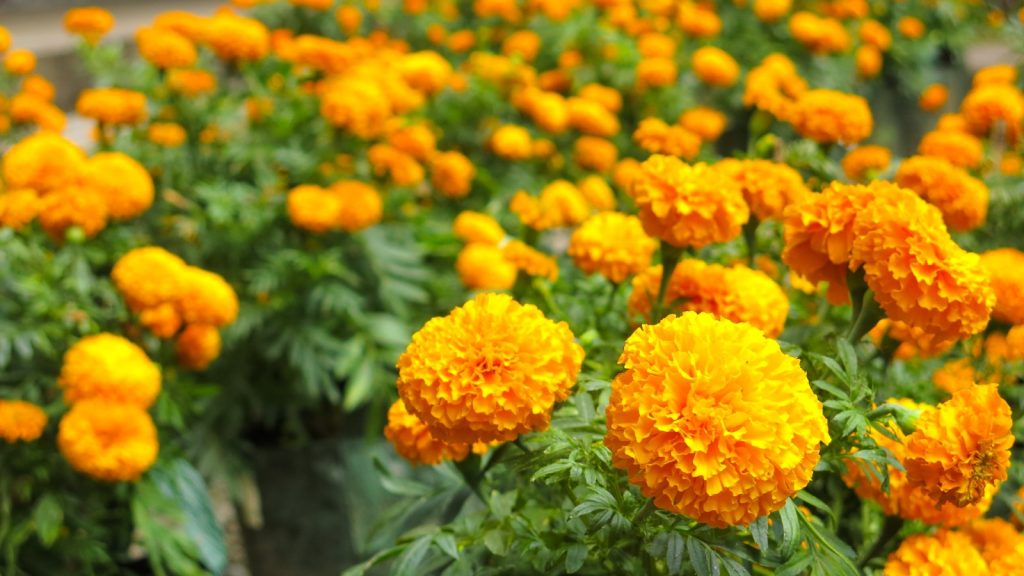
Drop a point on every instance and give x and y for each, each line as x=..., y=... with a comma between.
x=669, y=259
x=643, y=513
x=890, y=529
x=750, y=237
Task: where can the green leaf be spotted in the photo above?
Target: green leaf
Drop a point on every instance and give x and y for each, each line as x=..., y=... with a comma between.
x=848, y=356
x=410, y=562
x=759, y=532
x=702, y=558
x=446, y=542
x=495, y=540
x=48, y=517
x=584, y=406
x=502, y=504
x=789, y=516
x=359, y=387
x=674, y=552
x=575, y=557
x=733, y=568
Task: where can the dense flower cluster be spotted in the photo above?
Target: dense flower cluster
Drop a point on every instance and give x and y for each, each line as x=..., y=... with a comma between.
x=347, y=205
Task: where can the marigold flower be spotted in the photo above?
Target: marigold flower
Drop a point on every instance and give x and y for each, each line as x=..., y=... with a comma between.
x=715, y=66
x=21, y=421
x=402, y=168
x=560, y=204
x=707, y=123
x=986, y=106
x=43, y=162
x=78, y=206
x=827, y=116
x=960, y=149
x=607, y=97
x=191, y=82
x=512, y=142
x=197, y=346
x=597, y=193
x=962, y=447
x=955, y=375
x=111, y=368
x=356, y=105
x=933, y=97
x=874, y=33
x=483, y=266
x=658, y=137
x=962, y=198
x=595, y=154
x=18, y=207
x=657, y=72
x=166, y=134
x=698, y=20
x=773, y=86
x=530, y=260
x=237, y=38
x=592, y=117
x=125, y=185
x=612, y=244
x=864, y=161
x=20, y=62
x=415, y=140
x=163, y=320
x=414, y=442
x=490, y=370
x=768, y=187
x=913, y=342
x=206, y=298
x=1005, y=268
x=361, y=205
x=91, y=23
x=28, y=108
x=999, y=543
x=189, y=25
x=819, y=35
x=910, y=27
x=687, y=205
x=148, y=277
x=452, y=174
x=112, y=105
x=869, y=61
x=771, y=10
x=945, y=552
x=473, y=227
x=426, y=71
x=677, y=432
x=5, y=39
x=108, y=441
x=165, y=48
x=38, y=86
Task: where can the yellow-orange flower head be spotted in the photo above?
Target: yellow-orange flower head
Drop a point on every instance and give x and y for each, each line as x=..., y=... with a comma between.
x=490, y=370
x=165, y=48
x=113, y=106
x=18, y=208
x=768, y=187
x=959, y=148
x=962, y=198
x=111, y=368
x=473, y=226
x=361, y=205
x=828, y=116
x=197, y=346
x=414, y=442
x=962, y=448
x=80, y=206
x=206, y=298
x=108, y=441
x=686, y=205
x=125, y=185
x=91, y=23
x=715, y=66
x=452, y=174
x=947, y=553
x=234, y=37
x=712, y=420
x=863, y=161
x=148, y=277
x=613, y=245
x=933, y=97
x=484, y=267
x=1005, y=268
x=21, y=421
x=986, y=106
x=43, y=162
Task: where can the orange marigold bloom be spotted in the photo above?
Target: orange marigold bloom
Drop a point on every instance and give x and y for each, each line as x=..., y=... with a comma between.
x=18, y=207
x=688, y=205
x=26, y=108
x=361, y=205
x=148, y=277
x=863, y=162
x=658, y=137
x=73, y=206
x=91, y=23
x=109, y=367
x=933, y=97
x=43, y=162
x=995, y=74
x=952, y=123
x=657, y=72
x=918, y=274
x=945, y=552
x=955, y=375
x=560, y=204
x=38, y=86
x=910, y=27
x=597, y=193
x=612, y=244
x=771, y=10
x=773, y=86
x=191, y=82
x=715, y=66
x=166, y=134
x=197, y=346
x=426, y=71
x=108, y=441
x=593, y=118
x=962, y=198
x=349, y=18
x=490, y=370
x=962, y=447
x=1000, y=544
x=964, y=150
x=452, y=174
x=5, y=39
x=234, y=37
x=869, y=61
x=874, y=33
x=1005, y=268
x=473, y=227
x=125, y=185
x=402, y=168
x=163, y=321
x=595, y=154
x=698, y=20
x=827, y=116
x=483, y=266
x=683, y=412
x=819, y=35
x=206, y=298
x=165, y=48
x=522, y=43
x=512, y=142
x=416, y=140
x=21, y=421
x=768, y=187
x=20, y=62
x=112, y=105
x=414, y=442
x=609, y=98
x=530, y=260
x=914, y=342
x=707, y=123
x=357, y=105
x=990, y=105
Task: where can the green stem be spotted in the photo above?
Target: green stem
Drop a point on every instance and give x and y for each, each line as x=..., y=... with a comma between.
x=750, y=237
x=669, y=259
x=644, y=512
x=890, y=529
x=869, y=315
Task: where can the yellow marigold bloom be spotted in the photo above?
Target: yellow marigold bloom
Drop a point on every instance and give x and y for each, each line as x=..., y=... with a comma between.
x=1000, y=544
x=698, y=20
x=952, y=123
x=490, y=370
x=962, y=447
x=990, y=105
x=613, y=245
x=425, y=71
x=38, y=86
x=771, y=10
x=472, y=227
x=73, y=206
x=166, y=134
x=91, y=23
x=874, y=33
x=191, y=82
x=482, y=266
x=656, y=72
x=995, y=74
x=773, y=86
x=597, y=193
x=962, y=198
x=28, y=108
x=125, y=185
x=512, y=142
x=20, y=62
x=148, y=277
x=461, y=41
x=18, y=207
x=607, y=97
x=960, y=149
x=819, y=35
x=656, y=45
x=560, y=204
x=595, y=154
x=869, y=61
x=234, y=37
x=112, y=105
x=165, y=48
x=658, y=137
x=416, y=140
x=707, y=123
x=863, y=162
x=206, y=298
x=452, y=174
x=827, y=116
x=356, y=105
x=682, y=413
x=414, y=442
x=197, y=346
x=933, y=97
x=530, y=260
x=847, y=9
x=361, y=205
x=402, y=168
x=913, y=342
x=43, y=162
x=1011, y=164
x=945, y=552
x=955, y=375
x=548, y=110
x=688, y=205
x=592, y=117
x=768, y=187
x=5, y=39
x=522, y=43
x=163, y=321
x=21, y=421
x=715, y=66
x=108, y=441
x=910, y=27
x=1005, y=268
x=349, y=18
x=111, y=368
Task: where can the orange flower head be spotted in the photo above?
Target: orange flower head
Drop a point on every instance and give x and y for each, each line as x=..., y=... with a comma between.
x=125, y=185
x=959, y=148
x=414, y=442
x=1005, y=267
x=113, y=106
x=597, y=154
x=109, y=441
x=21, y=421
x=768, y=187
x=197, y=346
x=18, y=207
x=828, y=116
x=483, y=266
x=707, y=123
x=962, y=198
x=715, y=67
x=43, y=162
x=148, y=277
x=452, y=174
x=165, y=48
x=945, y=552
x=75, y=205
x=530, y=260
x=111, y=368
x=863, y=162
x=237, y=38
x=933, y=97
x=91, y=23
x=613, y=245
